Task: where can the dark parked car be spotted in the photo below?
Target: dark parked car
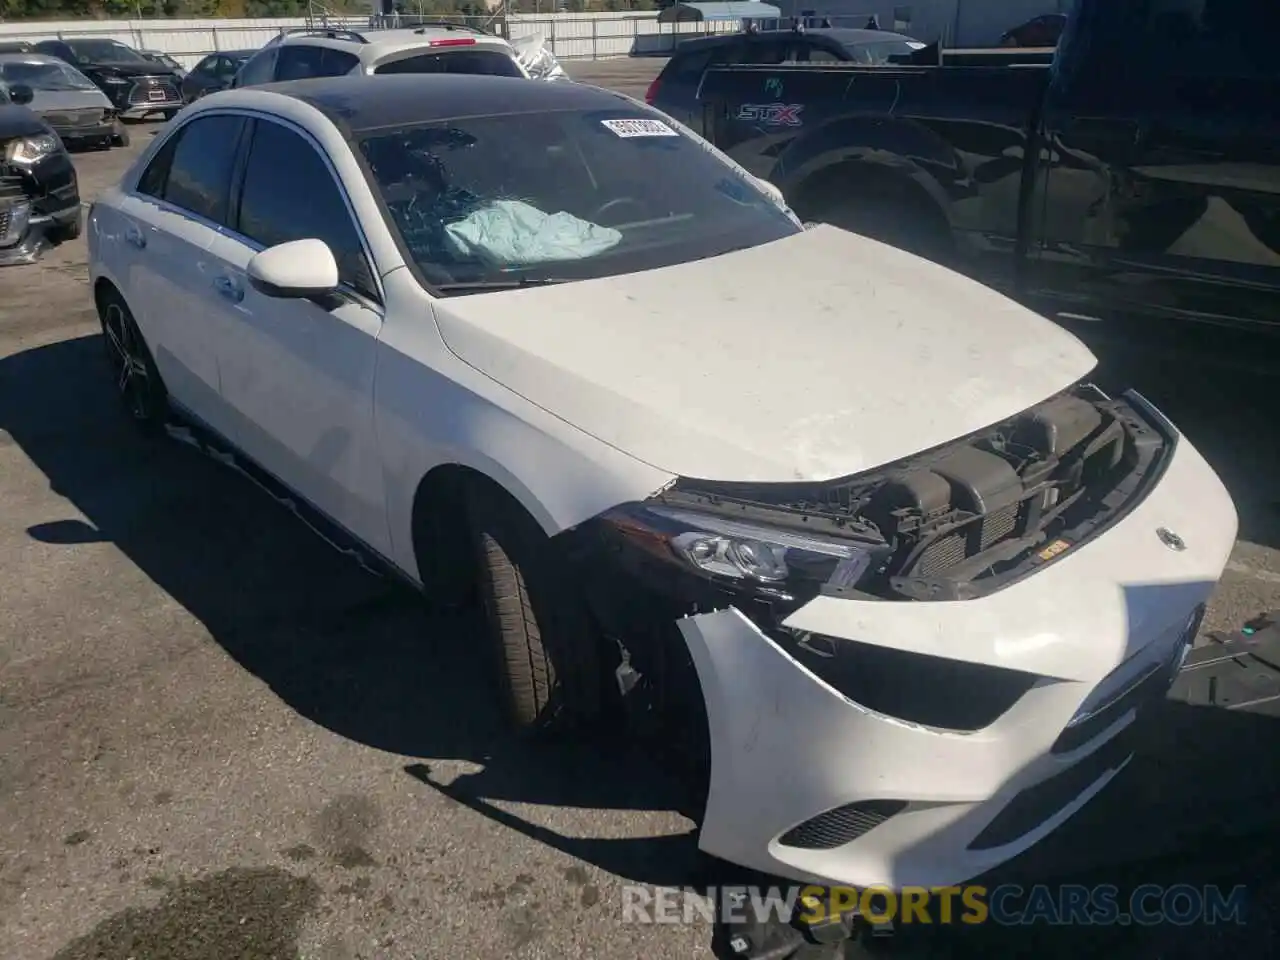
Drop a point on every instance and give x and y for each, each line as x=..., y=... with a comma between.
x=1042, y=31
x=1135, y=174
x=135, y=85
x=674, y=91
x=165, y=61
x=214, y=72
x=39, y=193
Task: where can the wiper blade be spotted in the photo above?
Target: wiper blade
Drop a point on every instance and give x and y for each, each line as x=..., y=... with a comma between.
x=479, y=286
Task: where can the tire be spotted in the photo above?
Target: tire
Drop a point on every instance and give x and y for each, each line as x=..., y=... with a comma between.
x=121, y=137
x=542, y=651
x=169, y=114
x=67, y=231
x=135, y=376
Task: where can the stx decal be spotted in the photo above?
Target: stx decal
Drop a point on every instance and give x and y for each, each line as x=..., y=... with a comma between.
x=772, y=114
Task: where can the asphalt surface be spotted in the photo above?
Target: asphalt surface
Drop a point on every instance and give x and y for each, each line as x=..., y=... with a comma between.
x=219, y=740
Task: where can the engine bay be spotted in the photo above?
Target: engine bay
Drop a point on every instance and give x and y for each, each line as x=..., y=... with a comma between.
x=962, y=519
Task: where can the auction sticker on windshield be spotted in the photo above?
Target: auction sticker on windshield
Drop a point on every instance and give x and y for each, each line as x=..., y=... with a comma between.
x=640, y=128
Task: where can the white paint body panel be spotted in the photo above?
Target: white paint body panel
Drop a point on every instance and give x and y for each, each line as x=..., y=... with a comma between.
x=813, y=357
x=786, y=747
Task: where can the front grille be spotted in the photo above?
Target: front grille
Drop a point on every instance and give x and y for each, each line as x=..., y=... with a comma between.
x=1033, y=806
x=1147, y=687
x=74, y=118
x=842, y=825
x=143, y=88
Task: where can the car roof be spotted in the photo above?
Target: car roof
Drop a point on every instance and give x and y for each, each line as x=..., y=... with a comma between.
x=31, y=57
x=233, y=54
x=359, y=104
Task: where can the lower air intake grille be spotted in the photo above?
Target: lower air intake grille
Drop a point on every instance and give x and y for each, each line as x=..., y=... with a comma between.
x=842, y=825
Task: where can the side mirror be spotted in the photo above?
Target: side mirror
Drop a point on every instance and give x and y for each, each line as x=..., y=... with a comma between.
x=21, y=94
x=771, y=190
x=299, y=269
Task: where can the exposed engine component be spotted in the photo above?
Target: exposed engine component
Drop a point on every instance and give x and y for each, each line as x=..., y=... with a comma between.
x=976, y=508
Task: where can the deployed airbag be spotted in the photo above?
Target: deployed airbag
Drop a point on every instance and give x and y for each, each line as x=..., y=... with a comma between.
x=513, y=233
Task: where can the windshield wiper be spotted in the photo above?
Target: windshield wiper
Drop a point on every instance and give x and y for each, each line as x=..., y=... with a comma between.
x=479, y=286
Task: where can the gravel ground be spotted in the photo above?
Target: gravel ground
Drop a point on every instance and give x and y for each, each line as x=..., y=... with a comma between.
x=218, y=740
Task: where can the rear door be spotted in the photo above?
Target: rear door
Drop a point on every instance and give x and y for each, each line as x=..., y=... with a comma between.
x=1164, y=193
x=170, y=219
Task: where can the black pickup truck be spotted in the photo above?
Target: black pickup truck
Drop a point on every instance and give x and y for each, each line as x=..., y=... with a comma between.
x=1138, y=172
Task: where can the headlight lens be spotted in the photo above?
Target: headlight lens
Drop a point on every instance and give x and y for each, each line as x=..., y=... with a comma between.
x=31, y=150
x=749, y=555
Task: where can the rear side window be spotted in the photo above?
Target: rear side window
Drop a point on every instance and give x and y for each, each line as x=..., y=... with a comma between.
x=301, y=61
x=489, y=62
x=260, y=68
x=765, y=52
x=193, y=169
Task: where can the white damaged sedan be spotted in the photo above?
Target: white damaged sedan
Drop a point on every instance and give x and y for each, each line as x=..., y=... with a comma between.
x=856, y=531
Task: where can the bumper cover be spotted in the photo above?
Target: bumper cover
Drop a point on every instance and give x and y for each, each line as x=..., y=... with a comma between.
x=932, y=807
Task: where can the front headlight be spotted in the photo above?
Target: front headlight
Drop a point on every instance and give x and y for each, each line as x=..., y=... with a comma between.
x=741, y=554
x=31, y=150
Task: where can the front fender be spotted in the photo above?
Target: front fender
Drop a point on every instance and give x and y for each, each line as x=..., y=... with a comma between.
x=432, y=409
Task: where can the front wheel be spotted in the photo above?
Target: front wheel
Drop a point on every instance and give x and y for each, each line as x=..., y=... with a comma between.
x=542, y=652
x=133, y=371
x=120, y=136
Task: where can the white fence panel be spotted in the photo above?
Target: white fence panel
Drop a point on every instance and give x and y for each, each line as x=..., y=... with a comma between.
x=575, y=36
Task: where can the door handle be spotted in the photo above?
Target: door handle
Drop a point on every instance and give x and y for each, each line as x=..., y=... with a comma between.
x=134, y=236
x=229, y=289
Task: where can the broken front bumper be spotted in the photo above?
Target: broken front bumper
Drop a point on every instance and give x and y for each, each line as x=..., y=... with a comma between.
x=34, y=204
x=808, y=784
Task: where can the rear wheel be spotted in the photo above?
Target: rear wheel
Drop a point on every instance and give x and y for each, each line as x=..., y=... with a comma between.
x=134, y=373
x=542, y=651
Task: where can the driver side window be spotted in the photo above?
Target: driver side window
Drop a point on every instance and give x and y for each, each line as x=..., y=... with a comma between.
x=289, y=193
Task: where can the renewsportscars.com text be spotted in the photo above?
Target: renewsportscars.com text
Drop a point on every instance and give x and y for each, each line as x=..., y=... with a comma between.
x=1008, y=905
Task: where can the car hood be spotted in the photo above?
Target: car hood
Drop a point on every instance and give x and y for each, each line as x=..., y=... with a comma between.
x=128, y=68
x=813, y=357
x=16, y=121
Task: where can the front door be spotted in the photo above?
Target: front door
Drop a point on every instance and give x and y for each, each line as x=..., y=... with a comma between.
x=298, y=374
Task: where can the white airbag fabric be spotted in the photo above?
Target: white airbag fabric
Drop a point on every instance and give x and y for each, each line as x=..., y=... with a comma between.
x=510, y=233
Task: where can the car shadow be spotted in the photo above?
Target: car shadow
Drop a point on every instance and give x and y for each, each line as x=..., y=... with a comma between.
x=358, y=655
x=362, y=658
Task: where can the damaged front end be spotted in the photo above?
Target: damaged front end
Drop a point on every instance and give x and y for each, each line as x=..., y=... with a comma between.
x=955, y=523
x=18, y=242
x=39, y=197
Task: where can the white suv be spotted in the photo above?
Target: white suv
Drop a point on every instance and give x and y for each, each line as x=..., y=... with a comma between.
x=327, y=52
